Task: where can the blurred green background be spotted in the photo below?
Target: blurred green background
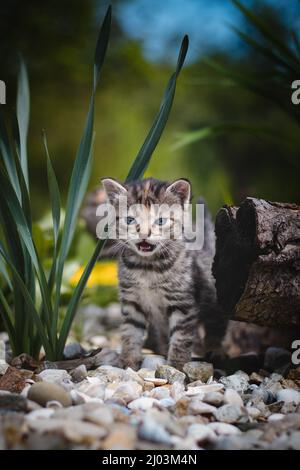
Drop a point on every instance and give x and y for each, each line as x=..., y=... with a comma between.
x=57, y=38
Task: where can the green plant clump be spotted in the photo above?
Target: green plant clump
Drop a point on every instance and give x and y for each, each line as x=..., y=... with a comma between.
x=33, y=321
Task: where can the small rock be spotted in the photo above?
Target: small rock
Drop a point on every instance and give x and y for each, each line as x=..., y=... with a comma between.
x=3, y=367
x=57, y=376
x=53, y=404
x=78, y=432
x=231, y=397
x=79, y=398
x=121, y=437
x=73, y=351
x=143, y=403
x=253, y=412
x=197, y=407
x=156, y=381
x=294, y=374
x=170, y=374
x=204, y=388
x=265, y=395
x=182, y=405
x=277, y=359
x=145, y=373
x=167, y=402
x=98, y=414
x=195, y=392
x=256, y=378
x=13, y=380
x=289, y=407
x=99, y=341
x=231, y=414
x=108, y=357
x=177, y=390
x=196, y=370
x=40, y=414
x=13, y=402
x=108, y=373
x=128, y=391
x=224, y=429
x=201, y=433
x=272, y=384
x=152, y=361
x=132, y=375
x=93, y=387
x=276, y=417
x=237, y=382
x=288, y=395
x=79, y=374
x=42, y=392
x=213, y=398
x=150, y=430
x=160, y=393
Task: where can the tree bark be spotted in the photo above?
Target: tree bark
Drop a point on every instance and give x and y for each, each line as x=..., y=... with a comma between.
x=257, y=262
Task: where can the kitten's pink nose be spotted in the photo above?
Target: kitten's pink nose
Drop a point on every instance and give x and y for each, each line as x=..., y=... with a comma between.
x=144, y=233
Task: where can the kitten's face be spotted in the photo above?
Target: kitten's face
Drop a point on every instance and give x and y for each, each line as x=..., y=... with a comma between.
x=149, y=213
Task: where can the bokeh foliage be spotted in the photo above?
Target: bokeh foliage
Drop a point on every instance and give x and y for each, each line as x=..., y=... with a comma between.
x=56, y=41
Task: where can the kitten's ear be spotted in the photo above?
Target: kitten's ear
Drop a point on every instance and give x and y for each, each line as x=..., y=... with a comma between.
x=113, y=189
x=181, y=188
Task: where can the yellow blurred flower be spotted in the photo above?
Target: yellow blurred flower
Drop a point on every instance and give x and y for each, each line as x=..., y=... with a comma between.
x=105, y=273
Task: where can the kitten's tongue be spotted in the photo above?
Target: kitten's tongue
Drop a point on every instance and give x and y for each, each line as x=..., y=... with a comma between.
x=145, y=246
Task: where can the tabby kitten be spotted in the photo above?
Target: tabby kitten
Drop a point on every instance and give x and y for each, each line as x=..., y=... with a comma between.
x=165, y=289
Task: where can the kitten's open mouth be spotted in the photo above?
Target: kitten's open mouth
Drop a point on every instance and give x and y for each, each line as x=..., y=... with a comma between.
x=145, y=247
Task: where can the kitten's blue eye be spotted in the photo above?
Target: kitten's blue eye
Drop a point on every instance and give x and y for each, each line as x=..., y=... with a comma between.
x=130, y=220
x=161, y=221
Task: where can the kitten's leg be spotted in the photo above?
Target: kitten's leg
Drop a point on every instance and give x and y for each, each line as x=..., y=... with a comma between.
x=132, y=334
x=182, y=326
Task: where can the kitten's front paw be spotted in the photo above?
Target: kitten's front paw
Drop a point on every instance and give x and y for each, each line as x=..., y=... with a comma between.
x=133, y=363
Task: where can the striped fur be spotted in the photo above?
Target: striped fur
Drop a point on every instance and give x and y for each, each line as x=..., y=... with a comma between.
x=170, y=292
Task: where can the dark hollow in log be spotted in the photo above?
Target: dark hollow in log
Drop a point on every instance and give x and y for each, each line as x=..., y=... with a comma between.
x=257, y=262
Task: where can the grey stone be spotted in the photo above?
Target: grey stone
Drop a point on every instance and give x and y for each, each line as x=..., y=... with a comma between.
x=152, y=361
x=288, y=395
x=79, y=374
x=43, y=392
x=170, y=374
x=152, y=431
x=231, y=397
x=214, y=398
x=277, y=359
x=73, y=351
x=197, y=370
x=57, y=376
x=231, y=414
x=237, y=382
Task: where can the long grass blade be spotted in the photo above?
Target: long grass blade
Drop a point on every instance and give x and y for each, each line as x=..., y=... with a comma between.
x=7, y=156
x=143, y=157
x=83, y=162
x=54, y=193
x=23, y=107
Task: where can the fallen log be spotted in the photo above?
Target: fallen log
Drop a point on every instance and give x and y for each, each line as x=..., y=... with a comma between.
x=257, y=262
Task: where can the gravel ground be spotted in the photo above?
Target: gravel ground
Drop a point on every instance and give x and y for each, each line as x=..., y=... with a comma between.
x=157, y=407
